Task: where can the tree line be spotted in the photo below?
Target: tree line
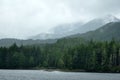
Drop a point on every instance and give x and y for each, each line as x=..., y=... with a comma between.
x=92, y=55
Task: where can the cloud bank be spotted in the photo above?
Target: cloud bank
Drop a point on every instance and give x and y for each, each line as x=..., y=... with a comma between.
x=23, y=18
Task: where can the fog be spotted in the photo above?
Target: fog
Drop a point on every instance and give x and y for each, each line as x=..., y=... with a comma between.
x=24, y=18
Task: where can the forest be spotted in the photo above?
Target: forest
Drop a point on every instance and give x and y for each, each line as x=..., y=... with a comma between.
x=65, y=54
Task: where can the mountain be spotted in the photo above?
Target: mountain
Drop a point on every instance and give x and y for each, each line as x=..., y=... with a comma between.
x=8, y=42
x=75, y=28
x=43, y=36
x=66, y=29
x=58, y=31
x=96, y=23
x=106, y=32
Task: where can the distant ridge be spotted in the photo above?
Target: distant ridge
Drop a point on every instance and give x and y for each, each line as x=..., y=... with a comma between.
x=9, y=41
x=106, y=32
x=75, y=28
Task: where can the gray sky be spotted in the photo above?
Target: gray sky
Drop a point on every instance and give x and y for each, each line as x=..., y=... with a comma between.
x=23, y=18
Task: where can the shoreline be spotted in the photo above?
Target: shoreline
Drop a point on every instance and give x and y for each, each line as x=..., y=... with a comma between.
x=63, y=70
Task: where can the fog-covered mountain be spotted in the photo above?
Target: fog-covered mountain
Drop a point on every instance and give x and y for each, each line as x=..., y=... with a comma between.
x=43, y=36
x=103, y=28
x=96, y=23
x=75, y=28
x=66, y=28
x=107, y=32
x=59, y=31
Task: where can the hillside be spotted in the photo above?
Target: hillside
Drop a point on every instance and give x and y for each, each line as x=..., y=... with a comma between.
x=106, y=32
x=64, y=30
x=8, y=42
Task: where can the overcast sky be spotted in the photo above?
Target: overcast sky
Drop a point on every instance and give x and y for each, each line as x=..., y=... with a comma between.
x=23, y=18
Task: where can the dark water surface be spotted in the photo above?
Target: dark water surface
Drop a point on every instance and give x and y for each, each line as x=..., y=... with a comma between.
x=55, y=75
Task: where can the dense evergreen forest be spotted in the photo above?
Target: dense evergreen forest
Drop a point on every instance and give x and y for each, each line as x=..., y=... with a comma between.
x=70, y=54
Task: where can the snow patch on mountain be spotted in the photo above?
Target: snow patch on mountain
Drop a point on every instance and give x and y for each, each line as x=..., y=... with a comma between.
x=109, y=18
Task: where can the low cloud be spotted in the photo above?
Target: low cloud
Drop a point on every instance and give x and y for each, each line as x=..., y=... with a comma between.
x=23, y=18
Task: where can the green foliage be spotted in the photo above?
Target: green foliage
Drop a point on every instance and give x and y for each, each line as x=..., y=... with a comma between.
x=75, y=54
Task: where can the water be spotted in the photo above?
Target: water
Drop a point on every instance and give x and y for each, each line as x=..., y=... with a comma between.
x=55, y=75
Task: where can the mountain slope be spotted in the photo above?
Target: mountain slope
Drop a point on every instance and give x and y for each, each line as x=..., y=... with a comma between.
x=8, y=42
x=58, y=31
x=75, y=28
x=96, y=23
x=43, y=36
x=106, y=32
